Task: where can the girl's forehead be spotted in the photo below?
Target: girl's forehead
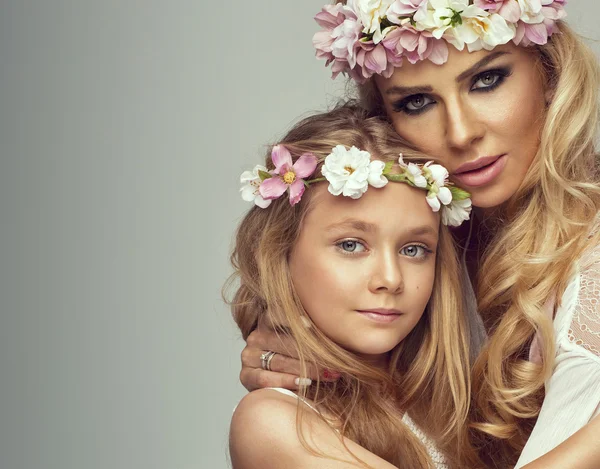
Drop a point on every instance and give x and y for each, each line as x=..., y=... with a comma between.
x=396, y=206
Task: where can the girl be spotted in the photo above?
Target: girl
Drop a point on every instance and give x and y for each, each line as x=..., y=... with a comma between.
x=365, y=282
x=505, y=96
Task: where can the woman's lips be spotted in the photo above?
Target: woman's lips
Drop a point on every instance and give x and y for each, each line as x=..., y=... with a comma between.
x=382, y=316
x=482, y=175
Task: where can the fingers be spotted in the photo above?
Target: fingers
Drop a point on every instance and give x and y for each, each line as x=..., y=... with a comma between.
x=267, y=339
x=256, y=378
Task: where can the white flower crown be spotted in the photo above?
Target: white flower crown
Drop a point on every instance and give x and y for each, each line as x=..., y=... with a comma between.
x=367, y=37
x=350, y=172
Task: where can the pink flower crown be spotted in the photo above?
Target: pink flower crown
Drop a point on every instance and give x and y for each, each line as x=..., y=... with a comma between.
x=367, y=37
x=350, y=172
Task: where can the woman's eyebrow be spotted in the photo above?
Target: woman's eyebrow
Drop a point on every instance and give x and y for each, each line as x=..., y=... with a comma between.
x=408, y=90
x=478, y=65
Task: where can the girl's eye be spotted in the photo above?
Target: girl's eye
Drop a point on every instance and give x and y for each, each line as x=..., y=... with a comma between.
x=489, y=80
x=351, y=245
x=414, y=250
x=414, y=104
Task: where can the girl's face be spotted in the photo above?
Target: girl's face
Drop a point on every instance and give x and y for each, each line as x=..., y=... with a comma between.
x=480, y=114
x=364, y=269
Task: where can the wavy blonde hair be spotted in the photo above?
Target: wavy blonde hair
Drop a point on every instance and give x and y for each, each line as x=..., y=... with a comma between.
x=541, y=233
x=428, y=376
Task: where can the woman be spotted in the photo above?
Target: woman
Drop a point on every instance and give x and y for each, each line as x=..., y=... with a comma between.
x=370, y=267
x=515, y=123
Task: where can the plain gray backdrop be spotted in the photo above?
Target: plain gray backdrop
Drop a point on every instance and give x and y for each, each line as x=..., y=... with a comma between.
x=124, y=126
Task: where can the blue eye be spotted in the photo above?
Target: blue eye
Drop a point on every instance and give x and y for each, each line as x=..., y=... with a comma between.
x=351, y=246
x=415, y=251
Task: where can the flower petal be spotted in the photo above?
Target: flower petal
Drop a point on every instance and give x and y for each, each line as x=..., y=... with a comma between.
x=296, y=191
x=305, y=165
x=433, y=202
x=281, y=157
x=262, y=203
x=248, y=192
x=272, y=188
x=445, y=195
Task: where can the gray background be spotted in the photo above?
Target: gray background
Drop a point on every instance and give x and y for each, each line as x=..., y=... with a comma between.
x=124, y=127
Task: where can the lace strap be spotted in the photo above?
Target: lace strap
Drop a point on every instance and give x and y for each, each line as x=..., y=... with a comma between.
x=585, y=325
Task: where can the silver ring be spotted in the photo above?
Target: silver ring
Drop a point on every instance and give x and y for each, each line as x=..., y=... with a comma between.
x=265, y=360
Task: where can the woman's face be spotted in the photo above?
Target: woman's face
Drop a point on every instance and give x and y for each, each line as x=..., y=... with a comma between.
x=480, y=114
x=364, y=269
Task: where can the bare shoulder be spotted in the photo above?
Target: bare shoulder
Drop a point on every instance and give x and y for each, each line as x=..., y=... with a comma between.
x=264, y=434
x=263, y=430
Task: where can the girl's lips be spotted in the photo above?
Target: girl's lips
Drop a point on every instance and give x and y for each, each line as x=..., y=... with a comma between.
x=381, y=316
x=483, y=175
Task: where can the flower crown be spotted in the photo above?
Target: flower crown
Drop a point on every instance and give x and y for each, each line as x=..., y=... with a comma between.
x=367, y=37
x=350, y=173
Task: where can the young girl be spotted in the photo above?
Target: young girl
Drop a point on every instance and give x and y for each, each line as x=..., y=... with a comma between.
x=503, y=94
x=362, y=273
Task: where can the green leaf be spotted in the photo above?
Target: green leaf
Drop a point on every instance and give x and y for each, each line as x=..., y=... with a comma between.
x=264, y=175
x=459, y=194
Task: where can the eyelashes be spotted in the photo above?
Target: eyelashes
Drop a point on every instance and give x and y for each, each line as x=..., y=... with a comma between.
x=483, y=82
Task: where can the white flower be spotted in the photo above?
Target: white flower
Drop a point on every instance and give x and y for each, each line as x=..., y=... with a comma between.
x=457, y=212
x=531, y=11
x=252, y=182
x=414, y=173
x=436, y=174
x=350, y=172
x=438, y=194
x=370, y=13
x=491, y=31
x=376, y=177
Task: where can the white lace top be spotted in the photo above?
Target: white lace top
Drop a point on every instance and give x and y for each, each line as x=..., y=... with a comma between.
x=573, y=391
x=436, y=456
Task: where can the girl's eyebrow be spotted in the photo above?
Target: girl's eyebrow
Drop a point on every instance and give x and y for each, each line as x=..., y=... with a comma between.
x=408, y=90
x=366, y=227
x=353, y=223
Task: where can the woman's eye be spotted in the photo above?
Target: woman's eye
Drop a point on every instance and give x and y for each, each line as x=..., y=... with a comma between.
x=489, y=80
x=414, y=250
x=414, y=104
x=351, y=246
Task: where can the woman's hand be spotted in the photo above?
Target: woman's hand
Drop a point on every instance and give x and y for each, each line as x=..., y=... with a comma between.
x=285, y=366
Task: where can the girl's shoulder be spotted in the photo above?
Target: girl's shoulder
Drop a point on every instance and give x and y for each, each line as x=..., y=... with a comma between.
x=263, y=429
x=264, y=433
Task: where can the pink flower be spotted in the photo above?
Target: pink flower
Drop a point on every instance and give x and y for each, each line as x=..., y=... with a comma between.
x=508, y=9
x=416, y=45
x=287, y=175
x=403, y=9
x=338, y=40
x=551, y=12
x=373, y=59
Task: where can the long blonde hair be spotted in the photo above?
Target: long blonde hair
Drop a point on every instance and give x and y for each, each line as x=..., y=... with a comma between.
x=428, y=375
x=543, y=230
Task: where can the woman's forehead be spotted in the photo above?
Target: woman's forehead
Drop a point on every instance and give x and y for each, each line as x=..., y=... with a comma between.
x=459, y=62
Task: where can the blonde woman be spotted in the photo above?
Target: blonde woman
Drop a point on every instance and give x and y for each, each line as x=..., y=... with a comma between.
x=362, y=273
x=504, y=95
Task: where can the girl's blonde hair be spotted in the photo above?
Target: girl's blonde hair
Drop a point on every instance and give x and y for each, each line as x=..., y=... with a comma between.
x=428, y=375
x=543, y=231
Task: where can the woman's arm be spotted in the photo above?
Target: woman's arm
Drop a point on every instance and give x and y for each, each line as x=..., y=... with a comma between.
x=580, y=451
x=263, y=435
